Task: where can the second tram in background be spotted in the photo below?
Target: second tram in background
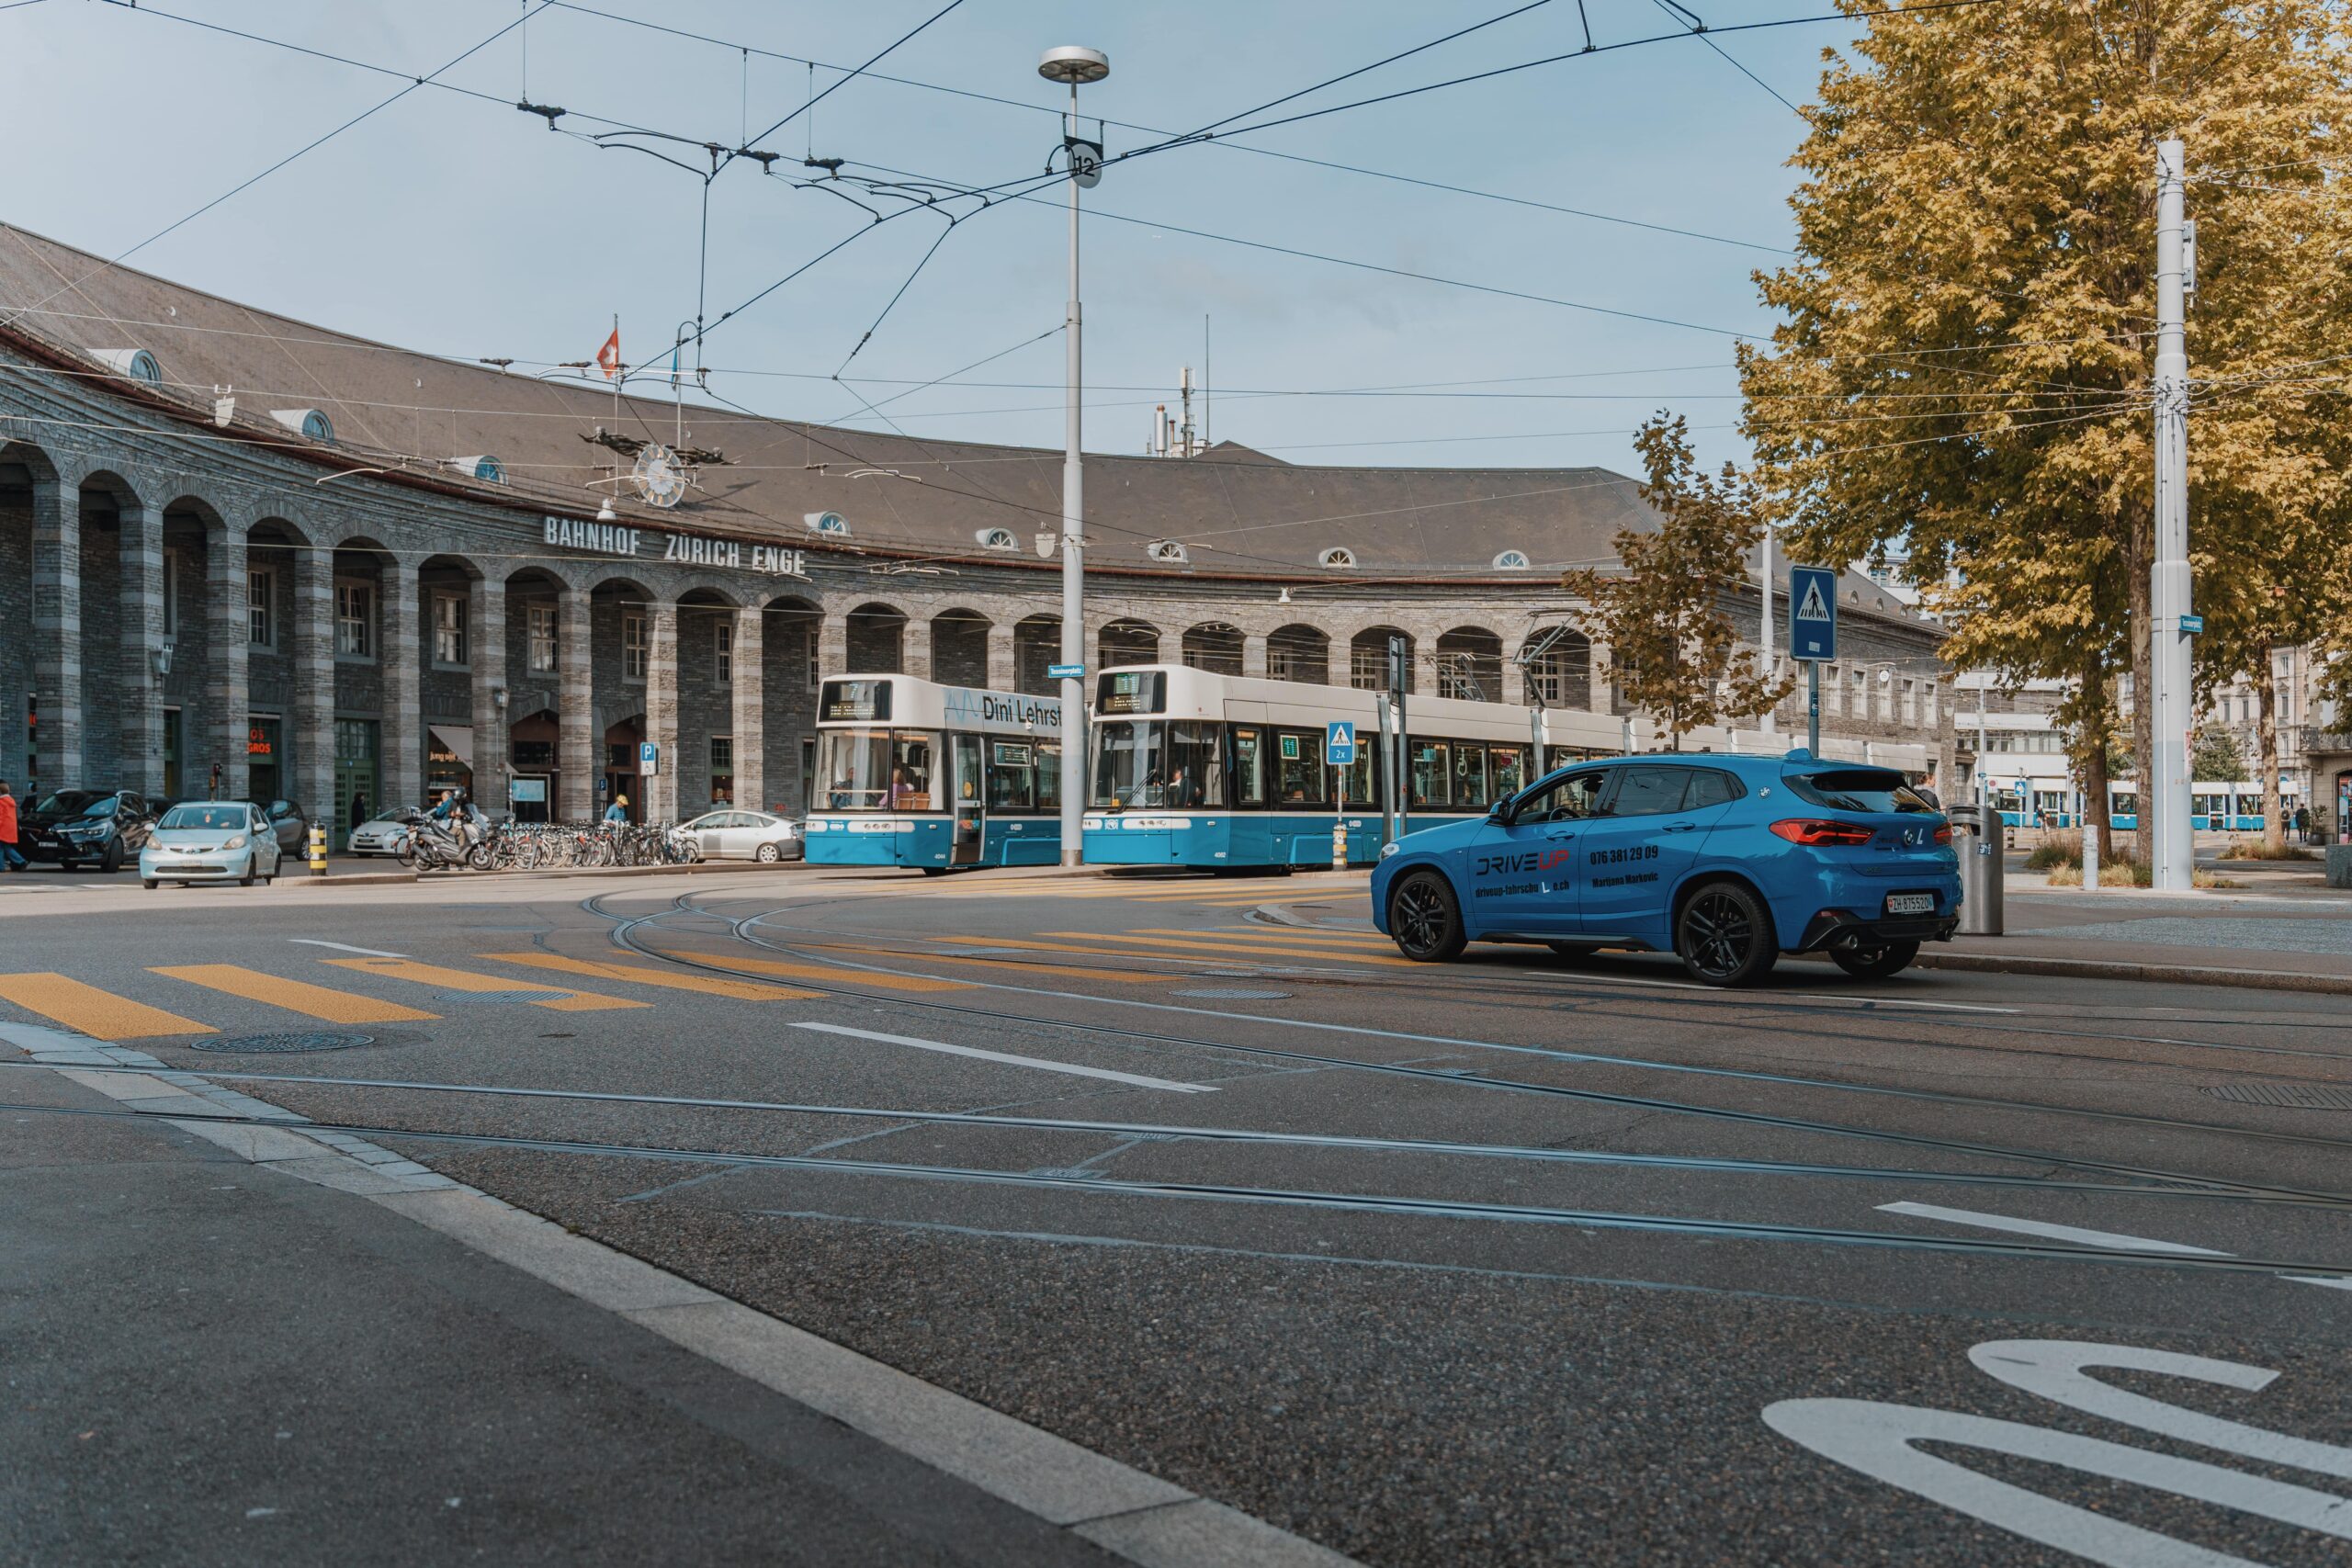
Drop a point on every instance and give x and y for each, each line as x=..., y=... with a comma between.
x=913, y=774
x=1223, y=771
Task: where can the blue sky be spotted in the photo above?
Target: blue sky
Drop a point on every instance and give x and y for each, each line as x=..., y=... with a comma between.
x=463, y=227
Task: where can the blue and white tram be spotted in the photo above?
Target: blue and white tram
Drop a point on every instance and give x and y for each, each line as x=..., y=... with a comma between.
x=914, y=773
x=1191, y=768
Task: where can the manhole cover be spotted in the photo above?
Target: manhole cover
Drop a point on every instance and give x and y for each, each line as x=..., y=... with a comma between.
x=462, y=998
x=2289, y=1096
x=242, y=1043
x=1234, y=994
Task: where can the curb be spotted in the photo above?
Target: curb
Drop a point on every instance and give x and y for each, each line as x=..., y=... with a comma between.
x=1133, y=1516
x=405, y=878
x=2111, y=969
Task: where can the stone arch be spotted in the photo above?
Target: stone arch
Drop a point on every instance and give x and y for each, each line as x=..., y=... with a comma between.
x=119, y=492
x=1036, y=645
x=1128, y=640
x=876, y=638
x=1470, y=665
x=1562, y=674
x=1214, y=645
x=1299, y=652
x=1368, y=659
x=960, y=648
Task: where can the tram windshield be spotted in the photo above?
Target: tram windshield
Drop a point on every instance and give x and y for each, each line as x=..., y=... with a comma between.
x=1152, y=764
x=877, y=769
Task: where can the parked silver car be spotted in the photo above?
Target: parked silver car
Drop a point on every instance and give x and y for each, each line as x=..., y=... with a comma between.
x=211, y=840
x=736, y=834
x=376, y=836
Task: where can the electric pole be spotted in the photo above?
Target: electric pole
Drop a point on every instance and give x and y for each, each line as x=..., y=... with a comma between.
x=2168, y=663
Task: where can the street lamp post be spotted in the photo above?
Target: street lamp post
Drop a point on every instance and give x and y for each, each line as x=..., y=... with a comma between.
x=1073, y=65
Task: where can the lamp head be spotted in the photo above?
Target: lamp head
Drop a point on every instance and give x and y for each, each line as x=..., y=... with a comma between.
x=1074, y=65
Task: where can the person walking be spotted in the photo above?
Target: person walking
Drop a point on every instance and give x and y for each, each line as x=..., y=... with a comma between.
x=9, y=855
x=358, y=808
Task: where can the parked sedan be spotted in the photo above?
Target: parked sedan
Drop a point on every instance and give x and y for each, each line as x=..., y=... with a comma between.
x=211, y=841
x=289, y=825
x=73, y=826
x=744, y=835
x=376, y=836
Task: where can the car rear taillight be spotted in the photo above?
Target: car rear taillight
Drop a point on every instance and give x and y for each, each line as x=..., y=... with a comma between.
x=1943, y=832
x=1813, y=831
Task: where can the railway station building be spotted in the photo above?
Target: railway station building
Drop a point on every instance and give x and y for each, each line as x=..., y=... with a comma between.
x=246, y=556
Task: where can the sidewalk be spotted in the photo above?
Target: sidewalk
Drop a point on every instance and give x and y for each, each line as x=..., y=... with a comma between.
x=235, y=1342
x=2268, y=941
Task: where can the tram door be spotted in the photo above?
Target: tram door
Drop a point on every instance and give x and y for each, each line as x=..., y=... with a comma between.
x=965, y=753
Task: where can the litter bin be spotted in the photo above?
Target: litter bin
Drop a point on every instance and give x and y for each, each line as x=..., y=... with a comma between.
x=1981, y=869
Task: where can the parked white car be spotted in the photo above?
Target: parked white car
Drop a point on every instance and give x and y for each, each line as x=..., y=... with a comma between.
x=376, y=836
x=743, y=835
x=211, y=841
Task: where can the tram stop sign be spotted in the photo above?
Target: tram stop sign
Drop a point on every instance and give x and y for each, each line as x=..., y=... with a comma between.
x=1339, y=742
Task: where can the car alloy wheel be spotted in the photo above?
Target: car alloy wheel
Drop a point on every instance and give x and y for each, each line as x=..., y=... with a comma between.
x=1723, y=936
x=769, y=854
x=1423, y=920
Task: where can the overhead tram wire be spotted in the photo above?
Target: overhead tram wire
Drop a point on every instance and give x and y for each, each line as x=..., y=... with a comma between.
x=1698, y=29
x=306, y=148
x=814, y=100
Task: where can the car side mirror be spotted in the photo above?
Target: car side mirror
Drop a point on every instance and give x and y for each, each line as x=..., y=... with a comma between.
x=1500, y=812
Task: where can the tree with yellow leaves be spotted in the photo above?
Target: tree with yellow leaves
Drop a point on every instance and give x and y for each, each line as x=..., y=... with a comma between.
x=1967, y=357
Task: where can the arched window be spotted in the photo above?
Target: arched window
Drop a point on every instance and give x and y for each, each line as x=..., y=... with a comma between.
x=875, y=645
x=832, y=524
x=1299, y=653
x=1470, y=665
x=997, y=539
x=1562, y=674
x=1130, y=642
x=1368, y=659
x=1215, y=647
x=1170, y=552
x=1036, y=645
x=1338, y=558
x=1511, y=560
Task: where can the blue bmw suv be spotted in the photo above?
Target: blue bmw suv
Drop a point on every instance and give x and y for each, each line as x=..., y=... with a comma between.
x=1727, y=862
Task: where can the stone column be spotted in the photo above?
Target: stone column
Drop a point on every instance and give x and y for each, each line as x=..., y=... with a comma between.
x=576, y=712
x=57, y=634
x=832, y=643
x=311, y=781
x=400, y=728
x=661, y=803
x=749, y=718
x=1514, y=679
x=227, y=700
x=914, y=649
x=1253, y=655
x=142, y=553
x=486, y=651
x=1001, y=671
x=1604, y=678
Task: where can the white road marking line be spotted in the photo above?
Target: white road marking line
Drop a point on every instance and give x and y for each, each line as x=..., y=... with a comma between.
x=346, y=947
x=1138, y=1079
x=2332, y=1282
x=1579, y=977
x=2108, y=1239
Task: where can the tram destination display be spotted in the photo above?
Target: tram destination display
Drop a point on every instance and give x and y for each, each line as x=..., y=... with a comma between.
x=854, y=702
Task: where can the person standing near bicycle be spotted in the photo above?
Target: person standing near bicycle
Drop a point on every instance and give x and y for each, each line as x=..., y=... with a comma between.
x=616, y=814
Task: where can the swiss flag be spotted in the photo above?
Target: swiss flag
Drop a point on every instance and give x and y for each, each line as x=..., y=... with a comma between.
x=608, y=358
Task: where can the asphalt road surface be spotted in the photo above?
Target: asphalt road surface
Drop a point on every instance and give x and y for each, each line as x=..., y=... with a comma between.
x=1518, y=1259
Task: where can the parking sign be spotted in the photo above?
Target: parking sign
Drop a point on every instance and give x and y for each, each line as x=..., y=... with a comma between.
x=649, y=757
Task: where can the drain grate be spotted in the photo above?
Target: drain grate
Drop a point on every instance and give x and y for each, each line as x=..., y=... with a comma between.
x=2287, y=1096
x=281, y=1043
x=1234, y=994
x=499, y=998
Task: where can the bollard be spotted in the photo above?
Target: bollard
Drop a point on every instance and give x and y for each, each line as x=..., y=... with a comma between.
x=1339, y=846
x=318, y=849
x=1981, y=870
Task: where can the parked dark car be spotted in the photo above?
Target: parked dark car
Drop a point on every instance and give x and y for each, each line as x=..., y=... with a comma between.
x=290, y=824
x=71, y=828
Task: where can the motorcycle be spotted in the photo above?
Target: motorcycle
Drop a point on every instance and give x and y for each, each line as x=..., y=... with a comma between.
x=429, y=845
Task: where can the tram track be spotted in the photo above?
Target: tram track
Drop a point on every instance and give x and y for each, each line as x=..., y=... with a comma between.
x=1355, y=1202
x=1177, y=1132
x=623, y=935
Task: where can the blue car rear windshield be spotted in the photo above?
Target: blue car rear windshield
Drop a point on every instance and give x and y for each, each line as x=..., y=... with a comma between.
x=1858, y=789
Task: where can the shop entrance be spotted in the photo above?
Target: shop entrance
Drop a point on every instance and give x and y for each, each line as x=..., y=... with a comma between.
x=262, y=758
x=357, y=797
x=621, y=780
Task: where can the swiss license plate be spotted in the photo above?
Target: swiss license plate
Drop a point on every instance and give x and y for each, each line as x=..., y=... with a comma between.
x=1910, y=903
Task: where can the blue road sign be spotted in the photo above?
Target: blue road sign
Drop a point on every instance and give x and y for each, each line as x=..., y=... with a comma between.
x=1813, y=611
x=649, y=757
x=1340, y=743
x=2192, y=624
x=1065, y=671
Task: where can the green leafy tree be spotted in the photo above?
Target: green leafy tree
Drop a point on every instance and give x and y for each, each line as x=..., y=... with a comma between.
x=2215, y=755
x=1965, y=360
x=1675, y=651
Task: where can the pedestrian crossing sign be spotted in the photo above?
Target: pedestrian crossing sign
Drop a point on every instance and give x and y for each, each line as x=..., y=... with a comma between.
x=1813, y=611
x=1340, y=743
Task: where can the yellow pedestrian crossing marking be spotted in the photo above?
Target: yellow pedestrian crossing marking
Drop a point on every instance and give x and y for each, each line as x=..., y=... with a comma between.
x=470, y=980
x=1235, y=947
x=1317, y=935
x=313, y=1001
x=645, y=975
x=822, y=973
x=88, y=1010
